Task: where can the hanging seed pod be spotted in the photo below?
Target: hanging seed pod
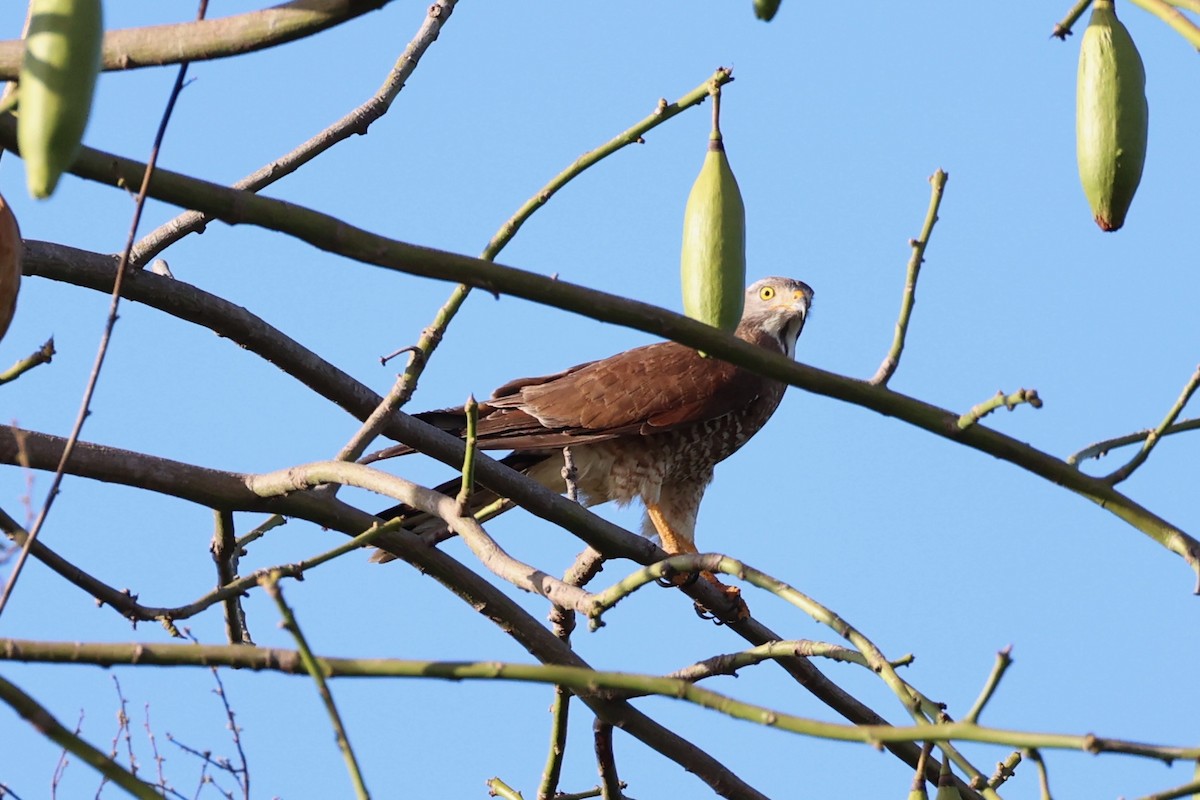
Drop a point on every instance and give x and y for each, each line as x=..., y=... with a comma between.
x=1111, y=116
x=58, y=77
x=765, y=9
x=713, y=256
x=10, y=265
x=947, y=789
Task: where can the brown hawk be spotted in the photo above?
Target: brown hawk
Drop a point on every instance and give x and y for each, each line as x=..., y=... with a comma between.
x=650, y=423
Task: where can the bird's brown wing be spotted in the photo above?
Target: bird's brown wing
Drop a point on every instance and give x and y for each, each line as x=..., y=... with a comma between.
x=646, y=390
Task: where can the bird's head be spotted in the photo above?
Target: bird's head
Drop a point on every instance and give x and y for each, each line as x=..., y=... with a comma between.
x=778, y=308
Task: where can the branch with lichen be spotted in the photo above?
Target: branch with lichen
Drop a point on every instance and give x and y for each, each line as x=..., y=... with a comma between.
x=892, y=360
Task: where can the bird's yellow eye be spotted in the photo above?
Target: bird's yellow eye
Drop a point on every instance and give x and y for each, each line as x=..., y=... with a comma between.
x=766, y=293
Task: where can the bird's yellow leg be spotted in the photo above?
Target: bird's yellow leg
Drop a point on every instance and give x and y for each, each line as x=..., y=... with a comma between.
x=673, y=542
x=676, y=543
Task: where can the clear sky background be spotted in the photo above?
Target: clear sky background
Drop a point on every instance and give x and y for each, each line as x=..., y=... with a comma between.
x=837, y=116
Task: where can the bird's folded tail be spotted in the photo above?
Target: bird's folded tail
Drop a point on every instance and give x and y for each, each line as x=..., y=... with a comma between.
x=481, y=498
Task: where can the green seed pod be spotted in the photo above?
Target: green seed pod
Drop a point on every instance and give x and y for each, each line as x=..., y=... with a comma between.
x=765, y=9
x=58, y=76
x=1111, y=116
x=713, y=256
x=946, y=789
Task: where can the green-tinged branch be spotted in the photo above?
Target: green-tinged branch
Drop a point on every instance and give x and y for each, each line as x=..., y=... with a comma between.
x=1173, y=17
x=1062, y=29
x=1153, y=436
x=892, y=360
x=581, y=679
x=1001, y=400
x=43, y=355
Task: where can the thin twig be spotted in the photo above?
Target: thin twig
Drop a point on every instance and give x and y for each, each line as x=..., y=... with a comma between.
x=1004, y=770
x=1003, y=661
x=1062, y=29
x=892, y=360
x=225, y=555
x=471, y=409
x=570, y=475
x=918, y=782
x=498, y=788
x=562, y=621
x=240, y=771
x=43, y=355
x=1101, y=449
x=606, y=762
x=1000, y=400
x=60, y=767
x=1170, y=15
x=158, y=758
x=374, y=424
x=1032, y=754
x=123, y=728
x=270, y=583
x=730, y=663
x=1152, y=438
x=106, y=336
x=560, y=712
x=1190, y=788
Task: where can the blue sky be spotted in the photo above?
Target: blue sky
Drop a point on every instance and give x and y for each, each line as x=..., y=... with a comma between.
x=835, y=120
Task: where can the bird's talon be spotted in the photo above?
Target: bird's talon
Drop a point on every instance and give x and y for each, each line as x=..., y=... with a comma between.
x=673, y=579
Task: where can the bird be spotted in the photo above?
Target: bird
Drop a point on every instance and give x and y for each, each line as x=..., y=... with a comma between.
x=648, y=424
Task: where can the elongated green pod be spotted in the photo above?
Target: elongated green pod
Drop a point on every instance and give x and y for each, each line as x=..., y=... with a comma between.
x=1111, y=116
x=713, y=256
x=58, y=78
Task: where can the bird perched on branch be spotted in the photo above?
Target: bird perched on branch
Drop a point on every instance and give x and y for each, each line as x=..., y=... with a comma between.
x=647, y=424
